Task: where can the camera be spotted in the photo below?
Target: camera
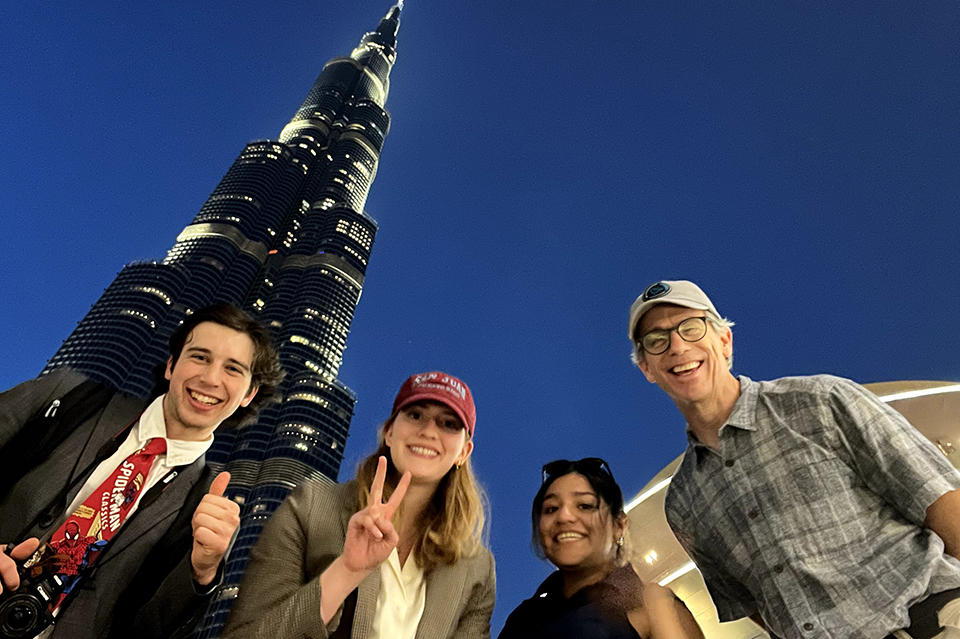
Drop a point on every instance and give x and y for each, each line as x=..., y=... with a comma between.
x=25, y=612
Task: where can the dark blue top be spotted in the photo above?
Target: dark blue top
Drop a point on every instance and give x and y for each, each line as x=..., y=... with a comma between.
x=596, y=611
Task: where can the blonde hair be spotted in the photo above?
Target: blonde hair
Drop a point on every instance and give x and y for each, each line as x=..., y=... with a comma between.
x=453, y=523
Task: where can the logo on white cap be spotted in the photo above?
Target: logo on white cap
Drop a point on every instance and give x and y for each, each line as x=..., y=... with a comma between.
x=655, y=290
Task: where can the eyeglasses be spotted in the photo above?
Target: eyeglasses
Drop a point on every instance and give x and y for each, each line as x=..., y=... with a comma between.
x=657, y=342
x=561, y=467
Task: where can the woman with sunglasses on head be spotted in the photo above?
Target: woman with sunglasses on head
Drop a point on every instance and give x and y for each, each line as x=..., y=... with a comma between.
x=396, y=552
x=580, y=526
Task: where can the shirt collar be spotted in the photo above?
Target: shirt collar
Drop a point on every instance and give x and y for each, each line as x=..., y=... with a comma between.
x=179, y=452
x=743, y=415
x=408, y=571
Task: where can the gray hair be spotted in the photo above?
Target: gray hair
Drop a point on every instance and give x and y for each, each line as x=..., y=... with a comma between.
x=719, y=324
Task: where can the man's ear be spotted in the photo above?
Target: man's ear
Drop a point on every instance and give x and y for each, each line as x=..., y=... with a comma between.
x=645, y=368
x=249, y=398
x=726, y=341
x=169, y=372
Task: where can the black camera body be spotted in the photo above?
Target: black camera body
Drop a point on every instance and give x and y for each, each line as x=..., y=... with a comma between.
x=26, y=611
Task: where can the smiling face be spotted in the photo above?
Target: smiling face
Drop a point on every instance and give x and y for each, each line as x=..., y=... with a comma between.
x=689, y=372
x=427, y=438
x=208, y=382
x=577, y=531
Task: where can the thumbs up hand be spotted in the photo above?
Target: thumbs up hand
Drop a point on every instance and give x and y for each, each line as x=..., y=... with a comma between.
x=214, y=522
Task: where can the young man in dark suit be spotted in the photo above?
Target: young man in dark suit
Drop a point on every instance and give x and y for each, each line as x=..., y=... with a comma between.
x=121, y=494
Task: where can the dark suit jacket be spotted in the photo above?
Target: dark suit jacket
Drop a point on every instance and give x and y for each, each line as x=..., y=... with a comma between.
x=117, y=574
x=280, y=592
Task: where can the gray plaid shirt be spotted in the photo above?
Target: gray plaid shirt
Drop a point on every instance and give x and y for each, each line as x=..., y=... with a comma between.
x=812, y=511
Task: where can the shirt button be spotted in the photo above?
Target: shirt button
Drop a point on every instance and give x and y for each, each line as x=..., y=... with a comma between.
x=729, y=463
x=778, y=569
x=752, y=514
x=808, y=626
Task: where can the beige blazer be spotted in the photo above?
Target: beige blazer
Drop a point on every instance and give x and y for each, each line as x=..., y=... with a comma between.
x=280, y=592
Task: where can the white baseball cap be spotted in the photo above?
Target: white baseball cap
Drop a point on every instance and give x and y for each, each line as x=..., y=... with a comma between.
x=679, y=292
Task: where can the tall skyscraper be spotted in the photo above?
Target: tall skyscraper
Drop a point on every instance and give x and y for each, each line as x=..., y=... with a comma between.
x=285, y=236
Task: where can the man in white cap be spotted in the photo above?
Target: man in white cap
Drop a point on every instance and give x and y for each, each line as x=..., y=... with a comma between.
x=806, y=503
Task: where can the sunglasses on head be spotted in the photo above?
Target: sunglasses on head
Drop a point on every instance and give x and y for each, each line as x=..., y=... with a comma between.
x=586, y=465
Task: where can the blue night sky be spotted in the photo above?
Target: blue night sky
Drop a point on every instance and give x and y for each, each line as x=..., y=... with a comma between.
x=546, y=161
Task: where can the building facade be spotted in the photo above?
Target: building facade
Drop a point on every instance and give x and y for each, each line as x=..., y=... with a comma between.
x=285, y=237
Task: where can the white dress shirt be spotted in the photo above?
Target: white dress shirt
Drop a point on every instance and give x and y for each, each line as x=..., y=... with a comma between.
x=401, y=600
x=151, y=424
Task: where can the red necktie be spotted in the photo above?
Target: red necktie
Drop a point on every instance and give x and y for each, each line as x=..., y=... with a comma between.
x=79, y=540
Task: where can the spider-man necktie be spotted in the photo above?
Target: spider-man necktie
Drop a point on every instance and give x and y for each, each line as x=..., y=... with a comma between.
x=81, y=538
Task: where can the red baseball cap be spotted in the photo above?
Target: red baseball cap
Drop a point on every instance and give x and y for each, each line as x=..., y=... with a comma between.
x=439, y=387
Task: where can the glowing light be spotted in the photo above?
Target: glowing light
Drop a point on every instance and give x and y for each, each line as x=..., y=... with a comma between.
x=954, y=388
x=660, y=485
x=679, y=572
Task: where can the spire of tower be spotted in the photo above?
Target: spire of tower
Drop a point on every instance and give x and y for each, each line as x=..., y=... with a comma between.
x=386, y=33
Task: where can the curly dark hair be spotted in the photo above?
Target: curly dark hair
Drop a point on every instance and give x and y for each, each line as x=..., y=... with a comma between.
x=265, y=371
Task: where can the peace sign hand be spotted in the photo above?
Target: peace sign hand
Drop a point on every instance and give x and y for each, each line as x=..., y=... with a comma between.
x=371, y=536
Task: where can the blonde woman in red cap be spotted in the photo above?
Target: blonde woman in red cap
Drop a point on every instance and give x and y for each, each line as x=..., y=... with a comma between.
x=396, y=552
